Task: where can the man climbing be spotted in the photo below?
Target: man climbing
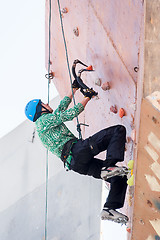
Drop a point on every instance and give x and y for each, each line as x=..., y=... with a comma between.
x=79, y=155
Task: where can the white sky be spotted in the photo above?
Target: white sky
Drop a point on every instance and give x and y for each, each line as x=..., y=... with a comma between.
x=22, y=60
x=22, y=71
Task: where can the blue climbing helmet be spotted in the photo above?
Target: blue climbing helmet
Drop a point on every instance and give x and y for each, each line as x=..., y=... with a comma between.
x=33, y=109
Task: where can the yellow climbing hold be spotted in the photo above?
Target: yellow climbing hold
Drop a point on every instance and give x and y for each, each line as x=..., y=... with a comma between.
x=130, y=181
x=130, y=164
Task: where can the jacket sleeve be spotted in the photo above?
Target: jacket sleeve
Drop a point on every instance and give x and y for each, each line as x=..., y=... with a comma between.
x=55, y=119
x=71, y=113
x=64, y=103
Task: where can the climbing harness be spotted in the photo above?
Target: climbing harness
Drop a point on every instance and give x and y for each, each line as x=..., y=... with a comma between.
x=66, y=152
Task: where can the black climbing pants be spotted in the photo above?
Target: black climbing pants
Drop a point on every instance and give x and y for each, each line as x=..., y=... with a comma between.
x=84, y=161
x=116, y=196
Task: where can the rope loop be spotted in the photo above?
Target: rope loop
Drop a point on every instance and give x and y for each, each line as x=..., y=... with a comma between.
x=79, y=128
x=49, y=76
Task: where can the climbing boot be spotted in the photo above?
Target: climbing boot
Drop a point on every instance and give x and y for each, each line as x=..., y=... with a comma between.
x=113, y=171
x=113, y=215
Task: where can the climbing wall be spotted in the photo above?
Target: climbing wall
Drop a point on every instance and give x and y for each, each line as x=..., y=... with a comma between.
x=146, y=223
x=109, y=36
x=105, y=34
x=146, y=214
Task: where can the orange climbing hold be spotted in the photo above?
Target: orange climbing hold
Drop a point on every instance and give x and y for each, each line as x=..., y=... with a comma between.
x=89, y=68
x=121, y=112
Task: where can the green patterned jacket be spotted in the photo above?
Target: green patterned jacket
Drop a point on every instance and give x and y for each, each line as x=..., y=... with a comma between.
x=51, y=128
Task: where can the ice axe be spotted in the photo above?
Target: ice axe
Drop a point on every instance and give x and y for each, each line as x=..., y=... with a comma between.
x=78, y=77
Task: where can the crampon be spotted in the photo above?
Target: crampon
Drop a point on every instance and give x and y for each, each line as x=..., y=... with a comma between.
x=113, y=171
x=113, y=215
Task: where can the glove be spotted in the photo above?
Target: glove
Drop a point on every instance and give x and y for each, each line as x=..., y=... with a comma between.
x=89, y=92
x=75, y=84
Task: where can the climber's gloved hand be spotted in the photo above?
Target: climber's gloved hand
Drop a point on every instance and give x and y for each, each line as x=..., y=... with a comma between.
x=89, y=92
x=75, y=84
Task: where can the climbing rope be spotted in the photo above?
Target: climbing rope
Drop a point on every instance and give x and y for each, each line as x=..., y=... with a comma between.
x=66, y=51
x=46, y=208
x=48, y=76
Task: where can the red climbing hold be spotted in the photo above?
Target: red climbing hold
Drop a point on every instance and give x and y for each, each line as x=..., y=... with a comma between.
x=106, y=86
x=113, y=109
